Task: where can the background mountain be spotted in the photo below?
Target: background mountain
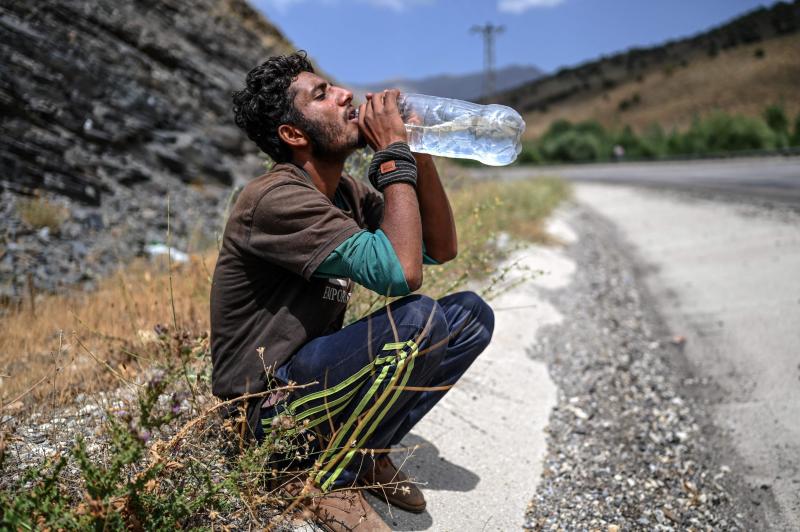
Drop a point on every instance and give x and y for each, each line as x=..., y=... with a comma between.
x=463, y=87
x=108, y=109
x=738, y=67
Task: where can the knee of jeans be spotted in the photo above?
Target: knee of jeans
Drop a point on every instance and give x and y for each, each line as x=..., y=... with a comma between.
x=422, y=312
x=478, y=306
x=435, y=321
x=482, y=314
x=427, y=317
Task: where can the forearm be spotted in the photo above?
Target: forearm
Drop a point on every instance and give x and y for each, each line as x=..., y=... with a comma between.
x=403, y=227
x=438, y=225
x=368, y=259
x=393, y=171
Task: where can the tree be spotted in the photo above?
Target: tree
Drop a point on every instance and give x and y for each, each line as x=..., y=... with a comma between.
x=795, y=140
x=776, y=119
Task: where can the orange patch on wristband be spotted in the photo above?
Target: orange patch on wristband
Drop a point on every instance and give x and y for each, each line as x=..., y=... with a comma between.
x=388, y=166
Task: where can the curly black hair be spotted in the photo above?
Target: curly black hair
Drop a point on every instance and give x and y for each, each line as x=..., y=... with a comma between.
x=266, y=102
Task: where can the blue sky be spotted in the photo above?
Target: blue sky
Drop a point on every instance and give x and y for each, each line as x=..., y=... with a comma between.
x=361, y=41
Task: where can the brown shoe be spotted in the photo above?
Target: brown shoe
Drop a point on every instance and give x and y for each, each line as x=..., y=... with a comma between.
x=388, y=483
x=341, y=511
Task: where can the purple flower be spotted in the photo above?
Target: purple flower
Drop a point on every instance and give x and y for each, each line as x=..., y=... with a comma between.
x=143, y=435
x=156, y=379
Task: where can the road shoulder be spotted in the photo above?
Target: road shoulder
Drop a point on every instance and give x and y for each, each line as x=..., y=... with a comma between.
x=725, y=277
x=627, y=445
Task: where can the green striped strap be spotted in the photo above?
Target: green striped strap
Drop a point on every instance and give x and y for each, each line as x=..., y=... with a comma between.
x=344, y=457
x=338, y=455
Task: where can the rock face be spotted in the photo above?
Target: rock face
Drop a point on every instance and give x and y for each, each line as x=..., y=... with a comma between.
x=109, y=107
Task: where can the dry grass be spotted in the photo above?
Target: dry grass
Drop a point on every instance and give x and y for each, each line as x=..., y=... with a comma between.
x=66, y=343
x=735, y=81
x=80, y=342
x=40, y=212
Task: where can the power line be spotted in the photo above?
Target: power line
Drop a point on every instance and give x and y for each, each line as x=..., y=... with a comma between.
x=488, y=31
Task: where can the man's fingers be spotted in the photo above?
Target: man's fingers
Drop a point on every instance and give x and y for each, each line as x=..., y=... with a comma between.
x=377, y=102
x=380, y=120
x=370, y=109
x=365, y=117
x=362, y=111
x=390, y=101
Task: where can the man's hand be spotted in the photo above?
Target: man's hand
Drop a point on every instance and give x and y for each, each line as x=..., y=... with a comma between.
x=379, y=120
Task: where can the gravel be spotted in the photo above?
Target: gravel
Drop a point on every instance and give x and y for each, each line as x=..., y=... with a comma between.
x=630, y=446
x=93, y=241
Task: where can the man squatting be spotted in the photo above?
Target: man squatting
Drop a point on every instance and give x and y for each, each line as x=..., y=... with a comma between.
x=297, y=239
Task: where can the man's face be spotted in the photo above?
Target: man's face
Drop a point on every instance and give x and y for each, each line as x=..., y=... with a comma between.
x=329, y=115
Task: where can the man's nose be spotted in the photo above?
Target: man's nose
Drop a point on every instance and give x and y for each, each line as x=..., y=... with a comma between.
x=345, y=96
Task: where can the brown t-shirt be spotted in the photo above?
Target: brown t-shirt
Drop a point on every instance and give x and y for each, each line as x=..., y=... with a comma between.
x=265, y=304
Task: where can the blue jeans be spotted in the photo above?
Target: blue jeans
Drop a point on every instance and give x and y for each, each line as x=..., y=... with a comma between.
x=376, y=378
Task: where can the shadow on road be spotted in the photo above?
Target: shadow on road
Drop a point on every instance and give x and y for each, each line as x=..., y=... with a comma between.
x=433, y=473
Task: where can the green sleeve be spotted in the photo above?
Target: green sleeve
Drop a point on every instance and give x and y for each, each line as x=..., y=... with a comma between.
x=368, y=259
x=427, y=259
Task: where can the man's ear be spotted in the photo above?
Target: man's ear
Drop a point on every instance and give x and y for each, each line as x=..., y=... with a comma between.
x=292, y=135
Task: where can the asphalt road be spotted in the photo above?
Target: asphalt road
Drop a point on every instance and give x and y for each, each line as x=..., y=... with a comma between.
x=770, y=178
x=726, y=276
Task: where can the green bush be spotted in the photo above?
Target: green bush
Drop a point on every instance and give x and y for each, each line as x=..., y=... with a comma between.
x=573, y=146
x=654, y=142
x=795, y=138
x=776, y=119
x=722, y=132
x=718, y=133
x=693, y=142
x=568, y=142
x=530, y=154
x=559, y=127
x=593, y=127
x=651, y=145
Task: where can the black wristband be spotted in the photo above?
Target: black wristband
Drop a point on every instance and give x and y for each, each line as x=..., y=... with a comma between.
x=394, y=164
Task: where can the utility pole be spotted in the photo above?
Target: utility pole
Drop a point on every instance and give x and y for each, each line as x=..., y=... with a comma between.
x=488, y=31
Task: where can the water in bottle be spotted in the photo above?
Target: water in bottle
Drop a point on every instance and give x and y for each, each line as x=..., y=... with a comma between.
x=454, y=128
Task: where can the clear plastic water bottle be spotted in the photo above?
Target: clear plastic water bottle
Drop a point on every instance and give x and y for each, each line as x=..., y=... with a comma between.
x=454, y=128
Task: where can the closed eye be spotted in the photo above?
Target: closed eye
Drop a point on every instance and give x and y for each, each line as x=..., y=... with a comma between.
x=321, y=90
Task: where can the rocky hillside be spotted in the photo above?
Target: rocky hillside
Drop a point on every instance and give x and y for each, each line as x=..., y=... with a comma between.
x=107, y=109
x=740, y=66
